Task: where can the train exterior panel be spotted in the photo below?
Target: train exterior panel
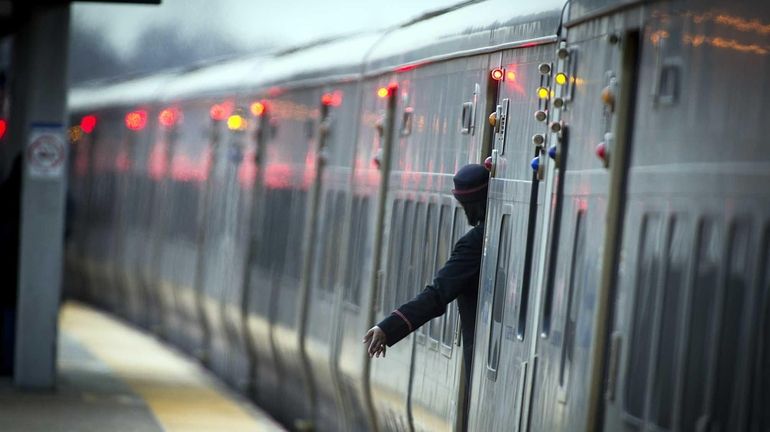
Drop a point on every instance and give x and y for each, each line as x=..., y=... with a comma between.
x=623, y=282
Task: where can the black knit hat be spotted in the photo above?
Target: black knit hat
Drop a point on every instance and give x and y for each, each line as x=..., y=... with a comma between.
x=471, y=183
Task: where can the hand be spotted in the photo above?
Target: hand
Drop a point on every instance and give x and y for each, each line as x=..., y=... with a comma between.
x=375, y=339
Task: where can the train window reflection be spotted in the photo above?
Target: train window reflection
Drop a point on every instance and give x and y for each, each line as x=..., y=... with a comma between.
x=732, y=327
x=429, y=265
x=571, y=313
x=394, y=252
x=498, y=301
x=701, y=324
x=669, y=338
x=404, y=251
x=442, y=254
x=641, y=337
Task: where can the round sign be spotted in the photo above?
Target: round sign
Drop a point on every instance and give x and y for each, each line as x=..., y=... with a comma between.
x=45, y=154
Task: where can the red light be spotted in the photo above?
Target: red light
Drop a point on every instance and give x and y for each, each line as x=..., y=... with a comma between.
x=169, y=117
x=3, y=127
x=221, y=111
x=332, y=98
x=497, y=74
x=88, y=123
x=136, y=120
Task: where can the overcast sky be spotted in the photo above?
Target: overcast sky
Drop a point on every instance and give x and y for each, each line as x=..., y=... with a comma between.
x=251, y=23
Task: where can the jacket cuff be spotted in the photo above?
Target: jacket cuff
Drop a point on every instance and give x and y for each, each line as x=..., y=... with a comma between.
x=396, y=327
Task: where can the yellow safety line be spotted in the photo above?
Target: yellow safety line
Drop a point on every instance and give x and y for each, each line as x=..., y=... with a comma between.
x=176, y=389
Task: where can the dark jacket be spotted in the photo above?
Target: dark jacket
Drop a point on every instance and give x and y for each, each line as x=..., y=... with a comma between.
x=459, y=278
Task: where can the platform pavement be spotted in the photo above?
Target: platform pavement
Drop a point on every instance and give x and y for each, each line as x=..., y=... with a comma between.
x=114, y=378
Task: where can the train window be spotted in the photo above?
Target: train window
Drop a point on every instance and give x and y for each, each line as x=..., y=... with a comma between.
x=733, y=328
x=429, y=265
x=415, y=263
x=336, y=215
x=403, y=251
x=701, y=325
x=760, y=418
x=443, y=248
x=360, y=217
x=500, y=288
x=679, y=245
x=647, y=280
x=573, y=294
x=459, y=226
x=394, y=252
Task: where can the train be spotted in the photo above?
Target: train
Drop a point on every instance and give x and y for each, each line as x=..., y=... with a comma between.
x=261, y=213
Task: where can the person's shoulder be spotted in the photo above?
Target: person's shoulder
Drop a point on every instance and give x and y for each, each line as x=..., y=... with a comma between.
x=475, y=236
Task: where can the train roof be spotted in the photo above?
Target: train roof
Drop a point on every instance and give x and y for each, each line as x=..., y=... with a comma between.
x=467, y=28
x=477, y=26
x=132, y=92
x=214, y=80
x=337, y=59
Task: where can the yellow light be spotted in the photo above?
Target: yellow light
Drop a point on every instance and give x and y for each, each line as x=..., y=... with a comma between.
x=543, y=93
x=236, y=122
x=257, y=108
x=561, y=78
x=383, y=92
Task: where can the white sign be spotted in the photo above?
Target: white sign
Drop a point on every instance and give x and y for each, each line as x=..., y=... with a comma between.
x=46, y=151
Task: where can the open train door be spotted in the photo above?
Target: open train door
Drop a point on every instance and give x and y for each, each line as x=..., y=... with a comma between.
x=508, y=295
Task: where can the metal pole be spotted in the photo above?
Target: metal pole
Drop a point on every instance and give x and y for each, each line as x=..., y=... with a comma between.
x=39, y=104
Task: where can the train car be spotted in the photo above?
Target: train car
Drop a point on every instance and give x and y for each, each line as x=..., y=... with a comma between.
x=201, y=241
x=291, y=200
x=108, y=174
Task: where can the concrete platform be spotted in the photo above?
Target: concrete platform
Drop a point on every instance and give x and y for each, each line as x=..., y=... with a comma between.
x=114, y=378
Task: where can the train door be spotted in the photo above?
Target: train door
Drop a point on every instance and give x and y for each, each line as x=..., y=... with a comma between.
x=325, y=266
x=258, y=297
x=369, y=176
x=588, y=141
x=507, y=291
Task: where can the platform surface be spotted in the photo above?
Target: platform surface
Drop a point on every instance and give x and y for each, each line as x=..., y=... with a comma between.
x=114, y=378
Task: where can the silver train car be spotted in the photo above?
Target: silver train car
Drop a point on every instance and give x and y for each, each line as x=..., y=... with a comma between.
x=262, y=213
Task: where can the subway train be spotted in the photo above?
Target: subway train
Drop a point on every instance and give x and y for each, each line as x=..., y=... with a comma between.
x=261, y=213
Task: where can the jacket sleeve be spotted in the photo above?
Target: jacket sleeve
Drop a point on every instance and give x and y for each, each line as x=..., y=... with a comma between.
x=460, y=272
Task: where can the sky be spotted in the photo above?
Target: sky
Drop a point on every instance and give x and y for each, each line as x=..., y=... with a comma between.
x=251, y=23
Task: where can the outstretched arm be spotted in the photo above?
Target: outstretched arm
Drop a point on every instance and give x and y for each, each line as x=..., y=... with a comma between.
x=461, y=272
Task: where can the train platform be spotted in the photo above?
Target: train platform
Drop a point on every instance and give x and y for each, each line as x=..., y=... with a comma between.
x=112, y=377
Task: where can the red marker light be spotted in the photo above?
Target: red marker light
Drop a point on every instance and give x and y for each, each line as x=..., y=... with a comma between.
x=169, y=117
x=221, y=111
x=3, y=127
x=88, y=123
x=497, y=74
x=258, y=109
x=332, y=98
x=136, y=120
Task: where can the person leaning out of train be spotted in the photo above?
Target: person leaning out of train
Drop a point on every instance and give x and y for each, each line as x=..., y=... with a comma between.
x=458, y=278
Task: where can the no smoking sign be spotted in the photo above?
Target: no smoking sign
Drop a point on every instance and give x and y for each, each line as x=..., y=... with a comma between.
x=46, y=151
